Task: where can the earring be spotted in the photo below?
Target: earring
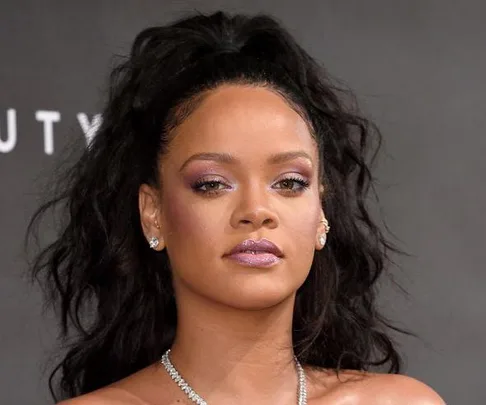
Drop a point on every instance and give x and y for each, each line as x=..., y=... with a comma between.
x=153, y=242
x=327, y=228
x=323, y=236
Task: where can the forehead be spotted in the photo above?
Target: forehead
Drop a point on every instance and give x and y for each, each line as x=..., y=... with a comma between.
x=244, y=121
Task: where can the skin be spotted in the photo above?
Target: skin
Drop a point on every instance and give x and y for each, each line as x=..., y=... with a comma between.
x=241, y=317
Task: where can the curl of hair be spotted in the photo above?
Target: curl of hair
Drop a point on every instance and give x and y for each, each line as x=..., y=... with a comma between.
x=114, y=294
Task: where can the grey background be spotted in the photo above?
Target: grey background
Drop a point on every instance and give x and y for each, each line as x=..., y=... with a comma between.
x=418, y=68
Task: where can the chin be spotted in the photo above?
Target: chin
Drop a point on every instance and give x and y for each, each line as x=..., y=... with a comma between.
x=258, y=297
x=256, y=304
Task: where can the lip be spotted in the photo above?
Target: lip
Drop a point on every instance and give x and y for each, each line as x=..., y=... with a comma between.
x=256, y=253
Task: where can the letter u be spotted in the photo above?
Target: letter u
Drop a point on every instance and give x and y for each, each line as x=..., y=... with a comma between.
x=8, y=144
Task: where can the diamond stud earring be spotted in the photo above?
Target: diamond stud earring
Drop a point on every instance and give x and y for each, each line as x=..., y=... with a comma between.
x=153, y=242
x=322, y=239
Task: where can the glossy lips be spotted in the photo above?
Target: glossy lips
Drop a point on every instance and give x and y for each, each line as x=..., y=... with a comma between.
x=262, y=253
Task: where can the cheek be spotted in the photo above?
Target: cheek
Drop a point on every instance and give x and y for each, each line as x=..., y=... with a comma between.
x=189, y=226
x=303, y=231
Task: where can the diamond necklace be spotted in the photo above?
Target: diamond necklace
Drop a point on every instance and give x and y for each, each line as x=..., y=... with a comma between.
x=194, y=397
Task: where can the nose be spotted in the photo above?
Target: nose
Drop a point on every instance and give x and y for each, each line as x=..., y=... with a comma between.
x=254, y=210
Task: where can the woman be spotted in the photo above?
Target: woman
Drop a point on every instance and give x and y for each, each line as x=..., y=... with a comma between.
x=218, y=248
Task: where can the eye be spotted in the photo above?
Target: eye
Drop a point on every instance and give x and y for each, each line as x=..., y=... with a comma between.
x=293, y=185
x=209, y=186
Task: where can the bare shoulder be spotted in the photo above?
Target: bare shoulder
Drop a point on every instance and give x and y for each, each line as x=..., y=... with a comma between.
x=105, y=396
x=401, y=389
x=363, y=388
x=145, y=387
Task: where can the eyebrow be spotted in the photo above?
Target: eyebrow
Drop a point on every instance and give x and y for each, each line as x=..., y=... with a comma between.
x=227, y=158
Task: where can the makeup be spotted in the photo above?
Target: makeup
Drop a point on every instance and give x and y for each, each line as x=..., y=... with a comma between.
x=258, y=259
x=252, y=253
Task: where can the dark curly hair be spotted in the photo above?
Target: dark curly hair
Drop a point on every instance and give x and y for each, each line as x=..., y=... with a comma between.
x=116, y=319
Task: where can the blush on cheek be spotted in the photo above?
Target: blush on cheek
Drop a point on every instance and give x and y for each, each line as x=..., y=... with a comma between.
x=304, y=227
x=188, y=225
x=179, y=216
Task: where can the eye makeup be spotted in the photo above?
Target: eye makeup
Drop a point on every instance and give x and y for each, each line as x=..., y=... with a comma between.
x=292, y=180
x=210, y=186
x=209, y=178
x=289, y=185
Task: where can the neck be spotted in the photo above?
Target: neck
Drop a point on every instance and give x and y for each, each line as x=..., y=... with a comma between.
x=230, y=355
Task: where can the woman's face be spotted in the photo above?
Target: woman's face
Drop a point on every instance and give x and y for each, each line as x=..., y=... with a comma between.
x=242, y=166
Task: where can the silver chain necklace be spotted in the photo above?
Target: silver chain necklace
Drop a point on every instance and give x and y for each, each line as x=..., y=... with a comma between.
x=194, y=397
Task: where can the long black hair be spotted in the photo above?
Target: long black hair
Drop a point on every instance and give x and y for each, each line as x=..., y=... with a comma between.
x=114, y=294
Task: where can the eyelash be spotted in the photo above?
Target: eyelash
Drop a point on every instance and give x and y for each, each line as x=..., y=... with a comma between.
x=303, y=185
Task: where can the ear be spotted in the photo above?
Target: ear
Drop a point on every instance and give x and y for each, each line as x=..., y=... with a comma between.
x=148, y=204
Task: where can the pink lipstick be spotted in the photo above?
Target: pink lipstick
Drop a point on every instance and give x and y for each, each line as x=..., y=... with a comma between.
x=252, y=253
